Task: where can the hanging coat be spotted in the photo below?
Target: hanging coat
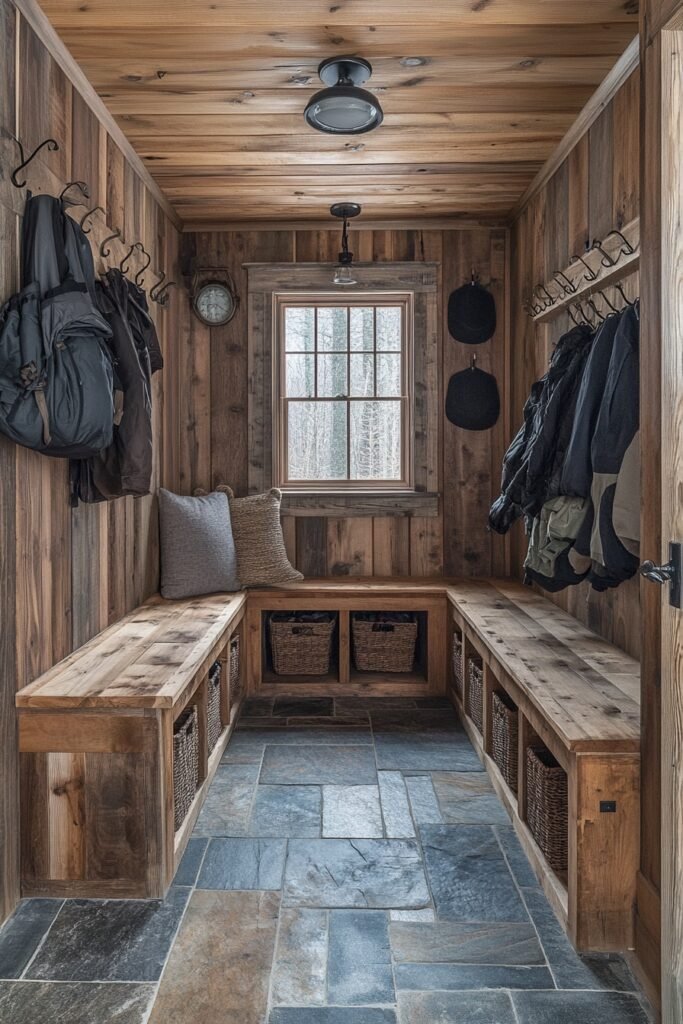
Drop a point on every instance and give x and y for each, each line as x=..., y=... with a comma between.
x=532, y=466
x=125, y=467
x=56, y=375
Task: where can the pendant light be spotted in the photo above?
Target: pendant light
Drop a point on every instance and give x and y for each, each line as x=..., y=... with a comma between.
x=343, y=108
x=343, y=273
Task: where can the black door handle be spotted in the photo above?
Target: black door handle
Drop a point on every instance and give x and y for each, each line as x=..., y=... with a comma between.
x=669, y=573
x=658, y=573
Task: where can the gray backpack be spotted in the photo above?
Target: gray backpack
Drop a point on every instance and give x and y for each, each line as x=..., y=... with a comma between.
x=56, y=375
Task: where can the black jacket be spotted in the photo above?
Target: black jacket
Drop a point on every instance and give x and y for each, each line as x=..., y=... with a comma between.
x=532, y=467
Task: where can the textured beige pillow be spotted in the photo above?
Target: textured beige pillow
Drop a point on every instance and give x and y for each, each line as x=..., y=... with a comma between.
x=261, y=555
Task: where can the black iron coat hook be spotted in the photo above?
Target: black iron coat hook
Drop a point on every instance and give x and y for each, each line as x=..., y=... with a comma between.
x=104, y=252
x=80, y=185
x=156, y=286
x=126, y=258
x=162, y=296
x=51, y=144
x=606, y=260
x=89, y=213
x=142, y=269
x=590, y=274
x=626, y=248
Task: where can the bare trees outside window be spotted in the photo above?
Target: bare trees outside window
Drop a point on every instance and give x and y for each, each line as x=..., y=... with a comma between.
x=344, y=392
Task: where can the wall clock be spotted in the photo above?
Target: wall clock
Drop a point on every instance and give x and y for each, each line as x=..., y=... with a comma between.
x=214, y=299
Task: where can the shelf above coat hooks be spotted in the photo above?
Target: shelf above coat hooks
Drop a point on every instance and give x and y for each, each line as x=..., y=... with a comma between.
x=606, y=262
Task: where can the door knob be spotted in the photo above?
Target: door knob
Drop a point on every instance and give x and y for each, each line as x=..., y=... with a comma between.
x=669, y=573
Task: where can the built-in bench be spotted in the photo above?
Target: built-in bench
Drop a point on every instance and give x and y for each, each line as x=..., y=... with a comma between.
x=96, y=731
x=578, y=696
x=96, y=750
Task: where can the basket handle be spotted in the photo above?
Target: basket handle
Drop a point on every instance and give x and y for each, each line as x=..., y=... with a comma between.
x=383, y=627
x=302, y=631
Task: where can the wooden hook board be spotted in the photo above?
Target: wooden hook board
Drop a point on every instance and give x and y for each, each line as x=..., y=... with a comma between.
x=577, y=274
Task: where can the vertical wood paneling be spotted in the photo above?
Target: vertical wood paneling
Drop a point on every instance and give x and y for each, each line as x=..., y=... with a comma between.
x=66, y=573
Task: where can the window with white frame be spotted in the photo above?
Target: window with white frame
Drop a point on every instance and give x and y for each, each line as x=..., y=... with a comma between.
x=343, y=392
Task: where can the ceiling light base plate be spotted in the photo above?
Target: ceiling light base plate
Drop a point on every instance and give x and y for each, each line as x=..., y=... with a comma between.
x=345, y=211
x=354, y=70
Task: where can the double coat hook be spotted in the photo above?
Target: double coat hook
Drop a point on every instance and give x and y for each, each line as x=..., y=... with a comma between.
x=50, y=144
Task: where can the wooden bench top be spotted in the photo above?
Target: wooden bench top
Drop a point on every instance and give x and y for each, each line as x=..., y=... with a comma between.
x=146, y=660
x=587, y=689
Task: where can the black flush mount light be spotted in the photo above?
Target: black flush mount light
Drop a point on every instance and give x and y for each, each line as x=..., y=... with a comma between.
x=344, y=108
x=343, y=274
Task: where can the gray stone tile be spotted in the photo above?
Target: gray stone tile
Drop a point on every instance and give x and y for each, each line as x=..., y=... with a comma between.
x=352, y=705
x=320, y=734
x=398, y=821
x=23, y=933
x=243, y=864
x=436, y=750
x=374, y=873
x=352, y=812
x=286, y=811
x=313, y=707
x=110, y=940
x=359, y=959
x=423, y=803
x=516, y=857
x=455, y=1008
x=228, y=802
x=426, y=914
x=300, y=965
x=468, y=798
x=312, y=765
x=465, y=943
x=245, y=747
x=570, y=969
x=466, y=977
x=257, y=707
x=419, y=720
x=359, y=722
x=583, y=1007
x=332, y=1015
x=188, y=869
x=37, y=1002
x=469, y=878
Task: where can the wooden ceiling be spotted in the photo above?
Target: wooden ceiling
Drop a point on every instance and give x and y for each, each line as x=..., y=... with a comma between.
x=211, y=93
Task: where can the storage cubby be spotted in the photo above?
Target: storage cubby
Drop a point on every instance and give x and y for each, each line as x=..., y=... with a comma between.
x=304, y=646
x=374, y=640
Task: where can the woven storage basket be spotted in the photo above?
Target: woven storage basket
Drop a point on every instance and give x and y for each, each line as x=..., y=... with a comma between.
x=185, y=763
x=504, y=737
x=475, y=691
x=457, y=664
x=234, y=666
x=546, y=783
x=213, y=711
x=301, y=648
x=381, y=646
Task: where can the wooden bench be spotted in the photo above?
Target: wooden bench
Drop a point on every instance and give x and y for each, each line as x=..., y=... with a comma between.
x=96, y=750
x=579, y=696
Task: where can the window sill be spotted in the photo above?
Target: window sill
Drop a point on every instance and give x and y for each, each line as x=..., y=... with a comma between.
x=361, y=503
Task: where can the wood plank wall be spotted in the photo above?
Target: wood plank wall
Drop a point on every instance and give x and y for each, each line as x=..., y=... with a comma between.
x=66, y=574
x=594, y=190
x=214, y=408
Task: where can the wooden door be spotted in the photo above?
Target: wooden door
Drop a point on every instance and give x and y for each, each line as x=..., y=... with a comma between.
x=671, y=306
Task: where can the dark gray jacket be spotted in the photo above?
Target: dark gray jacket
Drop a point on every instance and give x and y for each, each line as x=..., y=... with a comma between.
x=56, y=376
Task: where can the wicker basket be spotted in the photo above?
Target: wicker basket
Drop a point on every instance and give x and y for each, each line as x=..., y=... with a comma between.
x=474, y=707
x=546, y=784
x=213, y=713
x=234, y=666
x=185, y=763
x=301, y=647
x=457, y=664
x=504, y=738
x=381, y=645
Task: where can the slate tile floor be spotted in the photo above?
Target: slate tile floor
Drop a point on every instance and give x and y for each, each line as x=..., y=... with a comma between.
x=351, y=865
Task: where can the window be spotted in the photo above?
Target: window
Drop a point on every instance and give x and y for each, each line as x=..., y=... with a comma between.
x=344, y=392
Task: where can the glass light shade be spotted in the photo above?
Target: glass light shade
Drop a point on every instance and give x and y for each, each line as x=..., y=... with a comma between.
x=343, y=276
x=344, y=110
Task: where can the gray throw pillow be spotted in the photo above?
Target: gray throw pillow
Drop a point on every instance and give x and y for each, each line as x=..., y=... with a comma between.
x=197, y=547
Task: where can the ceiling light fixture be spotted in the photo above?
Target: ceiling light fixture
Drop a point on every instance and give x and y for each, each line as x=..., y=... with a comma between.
x=343, y=274
x=343, y=108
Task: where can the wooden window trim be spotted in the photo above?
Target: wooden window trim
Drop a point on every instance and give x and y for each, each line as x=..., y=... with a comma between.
x=265, y=283
x=405, y=485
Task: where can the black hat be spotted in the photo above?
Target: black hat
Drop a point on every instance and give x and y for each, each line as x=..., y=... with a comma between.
x=471, y=314
x=472, y=400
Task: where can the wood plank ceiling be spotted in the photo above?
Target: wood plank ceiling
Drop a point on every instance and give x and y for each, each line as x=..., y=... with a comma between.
x=212, y=94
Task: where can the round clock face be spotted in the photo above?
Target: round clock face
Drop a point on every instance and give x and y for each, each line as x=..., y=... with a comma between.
x=214, y=303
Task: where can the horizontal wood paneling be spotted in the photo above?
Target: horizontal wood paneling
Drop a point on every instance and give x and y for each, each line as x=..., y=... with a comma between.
x=67, y=573
x=456, y=541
